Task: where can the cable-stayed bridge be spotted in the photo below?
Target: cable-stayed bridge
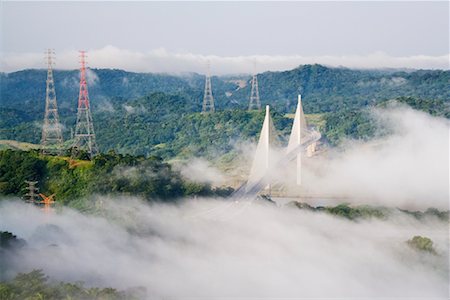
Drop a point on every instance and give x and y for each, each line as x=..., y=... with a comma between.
x=266, y=163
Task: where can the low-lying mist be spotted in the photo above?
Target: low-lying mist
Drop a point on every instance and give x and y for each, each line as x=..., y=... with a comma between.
x=222, y=249
x=208, y=248
x=408, y=167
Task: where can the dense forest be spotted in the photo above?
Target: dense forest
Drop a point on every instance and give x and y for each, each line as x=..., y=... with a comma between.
x=166, y=136
x=36, y=285
x=323, y=88
x=108, y=173
x=360, y=123
x=162, y=125
x=149, y=109
x=144, y=120
x=158, y=114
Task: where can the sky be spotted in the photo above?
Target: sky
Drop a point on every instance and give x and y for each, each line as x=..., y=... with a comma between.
x=233, y=36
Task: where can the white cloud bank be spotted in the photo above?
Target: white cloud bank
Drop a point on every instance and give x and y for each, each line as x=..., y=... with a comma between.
x=200, y=170
x=407, y=168
x=260, y=252
x=163, y=61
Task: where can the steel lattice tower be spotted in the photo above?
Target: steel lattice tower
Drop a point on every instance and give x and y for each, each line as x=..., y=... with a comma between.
x=32, y=194
x=84, y=130
x=254, y=95
x=208, y=99
x=52, y=140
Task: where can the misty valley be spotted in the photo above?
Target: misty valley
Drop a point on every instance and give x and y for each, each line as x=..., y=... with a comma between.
x=161, y=251
x=222, y=150
x=229, y=204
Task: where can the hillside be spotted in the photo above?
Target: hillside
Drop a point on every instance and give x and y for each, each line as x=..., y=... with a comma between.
x=360, y=124
x=73, y=179
x=323, y=88
x=157, y=114
x=15, y=145
x=332, y=89
x=163, y=125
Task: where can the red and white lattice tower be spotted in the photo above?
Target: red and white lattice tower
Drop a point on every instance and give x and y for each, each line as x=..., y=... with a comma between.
x=84, y=130
x=52, y=140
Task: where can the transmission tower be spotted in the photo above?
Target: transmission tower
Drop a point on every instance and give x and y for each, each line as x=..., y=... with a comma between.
x=84, y=130
x=208, y=99
x=47, y=202
x=52, y=140
x=254, y=103
x=254, y=95
x=32, y=194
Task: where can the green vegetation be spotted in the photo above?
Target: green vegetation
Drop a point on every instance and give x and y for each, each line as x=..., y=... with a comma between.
x=11, y=144
x=442, y=215
x=108, y=173
x=155, y=114
x=360, y=124
x=435, y=107
x=346, y=211
x=421, y=243
x=334, y=89
x=354, y=124
x=360, y=212
x=167, y=129
x=324, y=89
x=10, y=241
x=35, y=285
x=164, y=125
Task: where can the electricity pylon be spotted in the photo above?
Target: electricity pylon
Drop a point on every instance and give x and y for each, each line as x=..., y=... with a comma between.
x=208, y=99
x=47, y=202
x=52, y=140
x=84, y=130
x=32, y=194
x=254, y=95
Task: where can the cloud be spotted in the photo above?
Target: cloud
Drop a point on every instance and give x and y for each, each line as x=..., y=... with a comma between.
x=104, y=105
x=129, y=109
x=134, y=109
x=217, y=249
x=254, y=251
x=91, y=77
x=70, y=82
x=200, y=170
x=162, y=61
x=408, y=168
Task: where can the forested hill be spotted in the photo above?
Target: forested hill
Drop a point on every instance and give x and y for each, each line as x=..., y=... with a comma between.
x=156, y=114
x=332, y=89
x=26, y=89
x=324, y=89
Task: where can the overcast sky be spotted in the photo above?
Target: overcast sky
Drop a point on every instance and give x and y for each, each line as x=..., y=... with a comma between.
x=182, y=36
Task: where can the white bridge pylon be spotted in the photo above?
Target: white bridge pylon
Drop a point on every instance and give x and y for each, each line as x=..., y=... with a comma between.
x=265, y=163
x=298, y=133
x=263, y=159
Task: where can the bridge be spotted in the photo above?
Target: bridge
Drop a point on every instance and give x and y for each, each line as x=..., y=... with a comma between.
x=265, y=164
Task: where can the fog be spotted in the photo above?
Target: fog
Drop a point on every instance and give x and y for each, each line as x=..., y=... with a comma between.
x=200, y=170
x=215, y=249
x=161, y=60
x=210, y=249
x=408, y=167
